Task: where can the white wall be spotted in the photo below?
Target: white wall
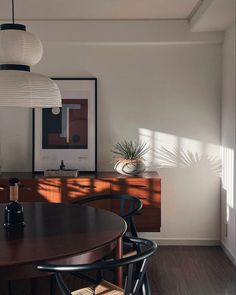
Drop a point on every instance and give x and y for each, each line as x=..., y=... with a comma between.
x=167, y=93
x=228, y=193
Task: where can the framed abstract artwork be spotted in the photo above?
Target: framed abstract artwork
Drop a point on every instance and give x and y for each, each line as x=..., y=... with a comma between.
x=68, y=133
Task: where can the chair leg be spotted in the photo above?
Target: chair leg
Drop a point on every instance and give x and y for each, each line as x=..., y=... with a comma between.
x=52, y=285
x=133, y=228
x=10, y=288
x=99, y=276
x=146, y=290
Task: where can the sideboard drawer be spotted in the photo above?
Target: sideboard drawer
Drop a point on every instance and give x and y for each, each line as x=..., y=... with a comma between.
x=40, y=190
x=4, y=191
x=76, y=188
x=33, y=190
x=149, y=191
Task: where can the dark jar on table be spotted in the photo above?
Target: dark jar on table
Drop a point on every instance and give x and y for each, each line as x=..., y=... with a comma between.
x=13, y=212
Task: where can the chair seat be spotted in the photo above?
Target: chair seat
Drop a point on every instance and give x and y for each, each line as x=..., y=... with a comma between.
x=104, y=288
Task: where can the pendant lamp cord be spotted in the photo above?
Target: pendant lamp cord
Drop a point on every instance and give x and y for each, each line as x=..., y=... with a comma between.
x=13, y=11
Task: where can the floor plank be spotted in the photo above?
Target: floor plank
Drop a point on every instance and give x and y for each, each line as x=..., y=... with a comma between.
x=192, y=271
x=174, y=270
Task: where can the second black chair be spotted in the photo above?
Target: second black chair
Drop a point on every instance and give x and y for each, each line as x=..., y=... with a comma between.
x=125, y=205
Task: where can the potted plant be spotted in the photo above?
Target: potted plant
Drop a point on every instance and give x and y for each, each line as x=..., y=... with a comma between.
x=129, y=157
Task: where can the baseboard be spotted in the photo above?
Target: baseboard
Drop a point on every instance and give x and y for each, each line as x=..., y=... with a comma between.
x=182, y=242
x=228, y=253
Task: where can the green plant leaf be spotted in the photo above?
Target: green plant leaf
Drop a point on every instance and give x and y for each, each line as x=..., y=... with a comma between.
x=130, y=150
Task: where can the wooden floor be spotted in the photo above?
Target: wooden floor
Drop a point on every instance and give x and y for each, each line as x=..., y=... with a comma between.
x=173, y=271
x=192, y=271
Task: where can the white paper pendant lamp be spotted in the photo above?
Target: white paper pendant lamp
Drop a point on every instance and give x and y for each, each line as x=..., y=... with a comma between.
x=18, y=86
x=25, y=89
x=19, y=47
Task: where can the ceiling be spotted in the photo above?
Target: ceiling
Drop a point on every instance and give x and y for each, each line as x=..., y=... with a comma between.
x=98, y=9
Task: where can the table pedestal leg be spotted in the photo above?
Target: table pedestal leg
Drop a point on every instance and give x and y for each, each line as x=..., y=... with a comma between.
x=34, y=284
x=10, y=288
x=119, y=270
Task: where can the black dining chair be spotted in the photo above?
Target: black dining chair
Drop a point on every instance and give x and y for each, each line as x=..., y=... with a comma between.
x=136, y=266
x=125, y=205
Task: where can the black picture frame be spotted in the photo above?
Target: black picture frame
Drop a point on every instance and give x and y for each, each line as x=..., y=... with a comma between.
x=34, y=167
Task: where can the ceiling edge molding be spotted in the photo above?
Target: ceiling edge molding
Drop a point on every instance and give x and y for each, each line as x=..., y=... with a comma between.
x=3, y=20
x=121, y=32
x=195, y=9
x=213, y=15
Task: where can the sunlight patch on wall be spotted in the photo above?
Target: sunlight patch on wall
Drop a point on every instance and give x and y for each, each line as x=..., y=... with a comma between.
x=227, y=155
x=169, y=151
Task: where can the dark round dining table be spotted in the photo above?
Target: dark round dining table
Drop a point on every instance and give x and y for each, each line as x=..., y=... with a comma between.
x=60, y=233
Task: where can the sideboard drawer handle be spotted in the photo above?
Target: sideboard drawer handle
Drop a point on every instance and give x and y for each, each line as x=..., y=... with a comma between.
x=87, y=186
x=138, y=185
x=28, y=188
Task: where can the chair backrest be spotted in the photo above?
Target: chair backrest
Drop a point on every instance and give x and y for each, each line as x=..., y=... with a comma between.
x=122, y=204
x=133, y=279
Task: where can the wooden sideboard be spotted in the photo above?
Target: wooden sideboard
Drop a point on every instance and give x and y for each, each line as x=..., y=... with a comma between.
x=36, y=188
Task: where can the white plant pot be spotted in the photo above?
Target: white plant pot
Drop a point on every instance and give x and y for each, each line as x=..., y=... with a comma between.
x=130, y=168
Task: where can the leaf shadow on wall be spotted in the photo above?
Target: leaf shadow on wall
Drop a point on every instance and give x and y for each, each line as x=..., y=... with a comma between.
x=178, y=157
x=170, y=151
